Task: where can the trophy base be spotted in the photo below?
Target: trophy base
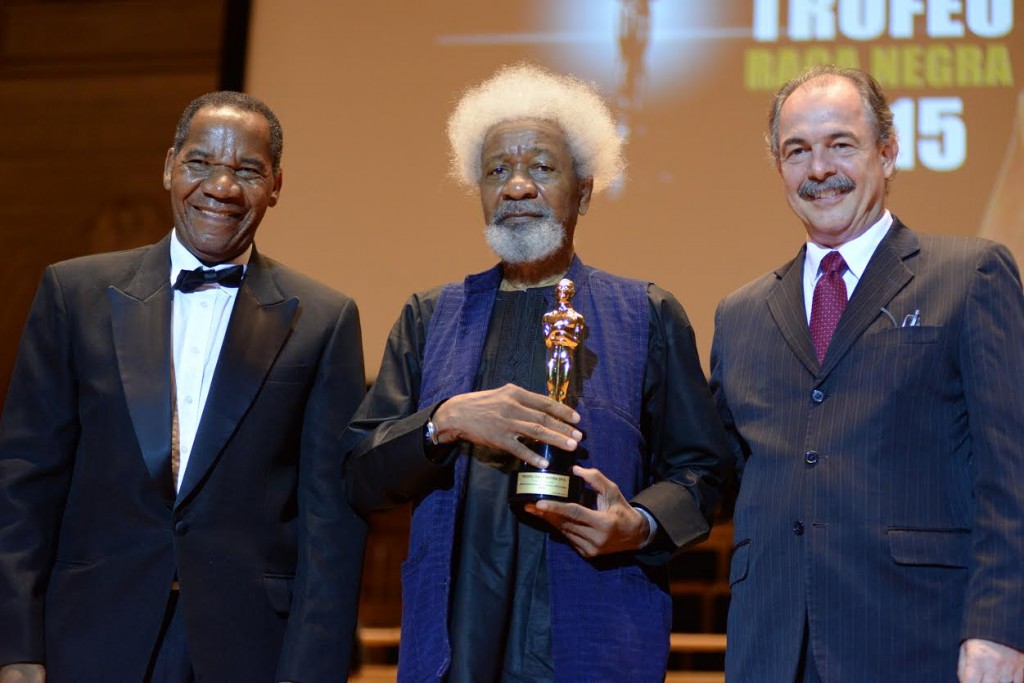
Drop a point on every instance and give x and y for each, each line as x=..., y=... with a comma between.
x=529, y=484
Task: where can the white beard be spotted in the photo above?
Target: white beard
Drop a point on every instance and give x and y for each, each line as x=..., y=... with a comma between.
x=528, y=242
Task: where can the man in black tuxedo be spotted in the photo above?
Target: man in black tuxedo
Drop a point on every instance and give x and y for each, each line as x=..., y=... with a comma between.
x=171, y=499
x=872, y=387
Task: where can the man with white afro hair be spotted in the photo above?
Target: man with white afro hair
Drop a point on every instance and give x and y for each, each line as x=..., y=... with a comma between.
x=496, y=589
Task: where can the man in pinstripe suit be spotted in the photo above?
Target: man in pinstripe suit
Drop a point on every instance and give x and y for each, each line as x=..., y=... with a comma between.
x=875, y=407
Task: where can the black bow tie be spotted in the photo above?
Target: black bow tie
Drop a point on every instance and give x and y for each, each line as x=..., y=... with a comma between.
x=191, y=280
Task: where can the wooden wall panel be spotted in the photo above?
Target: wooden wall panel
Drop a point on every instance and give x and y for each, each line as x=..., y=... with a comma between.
x=90, y=93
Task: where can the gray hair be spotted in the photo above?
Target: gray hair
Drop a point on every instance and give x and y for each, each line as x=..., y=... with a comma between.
x=234, y=100
x=876, y=109
x=525, y=91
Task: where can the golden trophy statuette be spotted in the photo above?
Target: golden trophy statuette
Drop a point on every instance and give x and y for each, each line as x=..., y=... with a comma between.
x=563, y=329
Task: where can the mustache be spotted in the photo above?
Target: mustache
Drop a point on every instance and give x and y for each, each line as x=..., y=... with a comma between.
x=812, y=189
x=514, y=207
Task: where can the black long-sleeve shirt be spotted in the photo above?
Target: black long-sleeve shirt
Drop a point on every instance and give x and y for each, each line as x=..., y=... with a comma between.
x=499, y=573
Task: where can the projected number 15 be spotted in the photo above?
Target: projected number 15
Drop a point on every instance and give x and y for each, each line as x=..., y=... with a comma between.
x=931, y=132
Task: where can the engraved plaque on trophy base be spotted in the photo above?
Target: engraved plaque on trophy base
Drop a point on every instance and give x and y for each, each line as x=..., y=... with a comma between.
x=529, y=484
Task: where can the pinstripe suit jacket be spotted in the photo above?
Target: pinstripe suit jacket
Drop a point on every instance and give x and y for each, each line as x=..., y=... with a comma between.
x=881, y=494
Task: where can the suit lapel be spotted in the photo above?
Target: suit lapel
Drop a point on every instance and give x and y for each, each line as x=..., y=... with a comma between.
x=786, y=303
x=141, y=325
x=884, y=277
x=259, y=325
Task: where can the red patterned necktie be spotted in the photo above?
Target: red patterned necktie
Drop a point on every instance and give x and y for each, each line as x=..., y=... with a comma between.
x=829, y=302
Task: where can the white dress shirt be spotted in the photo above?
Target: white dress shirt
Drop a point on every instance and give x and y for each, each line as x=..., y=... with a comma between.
x=857, y=252
x=199, y=321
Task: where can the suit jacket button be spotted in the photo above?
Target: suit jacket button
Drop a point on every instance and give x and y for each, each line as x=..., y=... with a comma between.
x=817, y=395
x=811, y=457
x=180, y=528
x=798, y=528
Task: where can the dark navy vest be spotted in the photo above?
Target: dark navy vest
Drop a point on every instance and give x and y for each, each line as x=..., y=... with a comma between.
x=610, y=619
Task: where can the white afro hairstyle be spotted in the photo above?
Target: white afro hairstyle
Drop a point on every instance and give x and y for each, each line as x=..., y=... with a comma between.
x=525, y=91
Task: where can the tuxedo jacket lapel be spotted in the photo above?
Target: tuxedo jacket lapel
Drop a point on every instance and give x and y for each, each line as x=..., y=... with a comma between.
x=884, y=277
x=786, y=303
x=141, y=325
x=260, y=323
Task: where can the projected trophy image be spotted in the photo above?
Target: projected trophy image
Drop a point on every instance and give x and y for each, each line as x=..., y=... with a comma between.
x=563, y=329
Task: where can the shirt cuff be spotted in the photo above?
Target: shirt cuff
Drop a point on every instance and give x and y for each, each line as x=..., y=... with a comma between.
x=652, y=525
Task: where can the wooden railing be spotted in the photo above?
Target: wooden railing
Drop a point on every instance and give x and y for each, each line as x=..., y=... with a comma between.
x=375, y=638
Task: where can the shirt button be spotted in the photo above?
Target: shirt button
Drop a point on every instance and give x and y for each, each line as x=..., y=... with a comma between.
x=811, y=457
x=798, y=528
x=188, y=400
x=817, y=395
x=203, y=304
x=194, y=349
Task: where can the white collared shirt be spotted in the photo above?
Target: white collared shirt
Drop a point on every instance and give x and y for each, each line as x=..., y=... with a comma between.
x=199, y=321
x=857, y=252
